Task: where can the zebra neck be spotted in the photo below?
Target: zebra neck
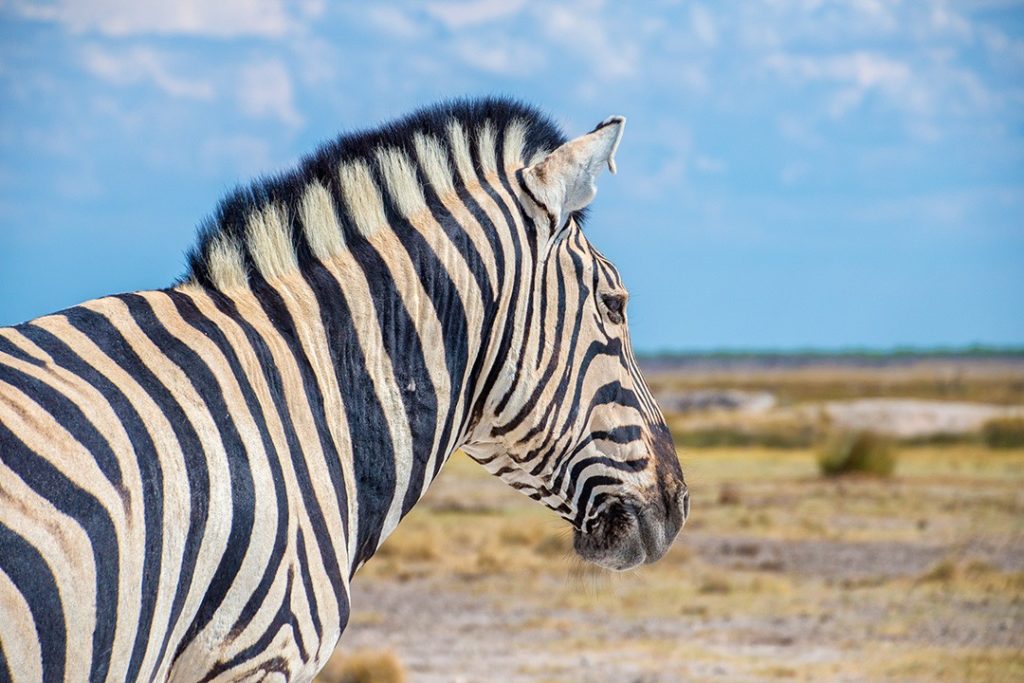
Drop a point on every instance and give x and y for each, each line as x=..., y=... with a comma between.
x=393, y=337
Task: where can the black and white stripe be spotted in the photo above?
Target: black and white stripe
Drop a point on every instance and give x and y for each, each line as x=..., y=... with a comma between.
x=190, y=477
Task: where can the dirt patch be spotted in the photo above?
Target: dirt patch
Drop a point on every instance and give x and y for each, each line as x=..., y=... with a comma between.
x=843, y=559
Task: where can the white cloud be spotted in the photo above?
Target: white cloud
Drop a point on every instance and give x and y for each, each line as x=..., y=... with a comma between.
x=143, y=65
x=709, y=164
x=942, y=20
x=703, y=25
x=218, y=18
x=504, y=57
x=265, y=91
x=864, y=69
x=242, y=155
x=665, y=173
x=585, y=30
x=878, y=12
x=792, y=173
x=313, y=8
x=316, y=61
x=588, y=32
x=394, y=22
x=80, y=184
x=124, y=119
x=459, y=15
x=799, y=132
x=856, y=73
x=1003, y=48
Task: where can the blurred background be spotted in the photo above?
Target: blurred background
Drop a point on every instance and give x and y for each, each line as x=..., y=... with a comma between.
x=819, y=213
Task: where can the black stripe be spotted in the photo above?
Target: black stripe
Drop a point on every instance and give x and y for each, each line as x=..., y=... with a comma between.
x=508, y=328
x=552, y=222
x=5, y=669
x=152, y=499
x=373, y=455
x=113, y=344
x=532, y=244
x=194, y=317
x=474, y=392
x=459, y=237
x=273, y=378
x=585, y=504
x=277, y=312
x=556, y=355
x=421, y=405
x=69, y=415
x=31, y=575
x=635, y=465
x=65, y=412
x=542, y=317
x=8, y=347
x=595, y=350
x=307, y=584
x=235, y=454
x=529, y=407
x=29, y=571
x=620, y=435
x=283, y=617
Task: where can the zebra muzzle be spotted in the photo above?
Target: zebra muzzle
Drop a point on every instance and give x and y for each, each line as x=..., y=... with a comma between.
x=628, y=533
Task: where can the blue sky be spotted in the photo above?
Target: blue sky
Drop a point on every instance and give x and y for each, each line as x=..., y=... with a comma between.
x=795, y=173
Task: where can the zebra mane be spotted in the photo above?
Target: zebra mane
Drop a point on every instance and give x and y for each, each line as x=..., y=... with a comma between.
x=339, y=193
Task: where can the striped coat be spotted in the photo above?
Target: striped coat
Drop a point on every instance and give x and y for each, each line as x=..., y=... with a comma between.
x=190, y=477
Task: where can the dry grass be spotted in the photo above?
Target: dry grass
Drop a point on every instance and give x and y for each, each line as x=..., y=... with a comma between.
x=366, y=666
x=728, y=430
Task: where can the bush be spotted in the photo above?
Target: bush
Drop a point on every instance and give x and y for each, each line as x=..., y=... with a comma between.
x=857, y=452
x=365, y=666
x=1004, y=432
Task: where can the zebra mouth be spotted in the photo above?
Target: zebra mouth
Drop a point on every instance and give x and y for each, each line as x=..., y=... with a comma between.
x=622, y=536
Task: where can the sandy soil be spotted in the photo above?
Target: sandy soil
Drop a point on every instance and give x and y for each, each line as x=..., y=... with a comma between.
x=446, y=634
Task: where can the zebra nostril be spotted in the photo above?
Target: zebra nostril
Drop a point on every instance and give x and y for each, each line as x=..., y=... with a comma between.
x=685, y=504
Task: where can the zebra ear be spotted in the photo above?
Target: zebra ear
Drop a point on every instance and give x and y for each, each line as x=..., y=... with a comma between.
x=563, y=181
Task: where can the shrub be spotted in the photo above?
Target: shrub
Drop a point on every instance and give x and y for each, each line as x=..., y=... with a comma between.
x=715, y=584
x=857, y=452
x=1004, y=432
x=729, y=494
x=365, y=666
x=943, y=572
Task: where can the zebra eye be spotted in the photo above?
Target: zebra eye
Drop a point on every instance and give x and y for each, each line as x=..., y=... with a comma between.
x=615, y=304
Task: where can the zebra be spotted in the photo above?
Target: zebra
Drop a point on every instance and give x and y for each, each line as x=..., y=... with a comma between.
x=190, y=477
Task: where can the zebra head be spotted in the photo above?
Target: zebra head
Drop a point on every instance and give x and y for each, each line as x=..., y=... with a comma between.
x=569, y=420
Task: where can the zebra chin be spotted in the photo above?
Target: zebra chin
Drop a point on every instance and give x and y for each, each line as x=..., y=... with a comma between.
x=627, y=534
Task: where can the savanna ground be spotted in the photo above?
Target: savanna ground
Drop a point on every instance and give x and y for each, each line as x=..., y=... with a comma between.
x=781, y=574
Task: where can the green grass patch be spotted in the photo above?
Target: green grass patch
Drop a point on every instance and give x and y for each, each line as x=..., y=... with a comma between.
x=857, y=453
x=1004, y=432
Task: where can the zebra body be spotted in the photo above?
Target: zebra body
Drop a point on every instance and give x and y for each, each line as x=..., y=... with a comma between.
x=190, y=477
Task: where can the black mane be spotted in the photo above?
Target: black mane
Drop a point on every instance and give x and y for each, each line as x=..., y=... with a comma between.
x=286, y=188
